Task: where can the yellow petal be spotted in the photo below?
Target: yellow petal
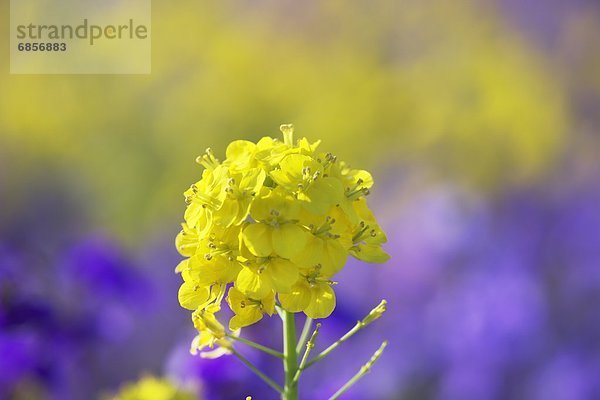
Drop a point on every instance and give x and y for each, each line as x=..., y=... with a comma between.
x=324, y=193
x=218, y=269
x=253, y=284
x=194, y=213
x=268, y=303
x=202, y=271
x=191, y=295
x=241, y=320
x=277, y=199
x=329, y=253
x=204, y=224
x=182, y=266
x=239, y=153
x=298, y=298
x=253, y=180
x=322, y=302
x=229, y=270
x=364, y=176
x=187, y=241
x=234, y=299
x=228, y=214
x=283, y=274
x=311, y=255
x=370, y=253
x=247, y=311
x=257, y=238
x=334, y=257
x=290, y=172
x=261, y=206
x=289, y=240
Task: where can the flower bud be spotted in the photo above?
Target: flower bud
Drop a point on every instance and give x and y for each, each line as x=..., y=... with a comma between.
x=375, y=313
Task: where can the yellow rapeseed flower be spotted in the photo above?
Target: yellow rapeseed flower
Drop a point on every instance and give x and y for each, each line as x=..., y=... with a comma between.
x=273, y=222
x=152, y=388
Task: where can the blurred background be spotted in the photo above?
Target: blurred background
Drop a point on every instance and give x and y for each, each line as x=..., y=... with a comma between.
x=480, y=121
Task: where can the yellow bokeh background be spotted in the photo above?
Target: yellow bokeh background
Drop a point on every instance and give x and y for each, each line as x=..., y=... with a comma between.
x=449, y=87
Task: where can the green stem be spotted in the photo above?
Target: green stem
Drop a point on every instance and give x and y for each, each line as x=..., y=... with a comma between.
x=258, y=372
x=304, y=334
x=290, y=360
x=363, y=371
x=309, y=346
x=256, y=346
x=359, y=325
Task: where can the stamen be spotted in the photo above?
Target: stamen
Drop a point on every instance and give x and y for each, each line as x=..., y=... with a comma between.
x=359, y=235
x=208, y=160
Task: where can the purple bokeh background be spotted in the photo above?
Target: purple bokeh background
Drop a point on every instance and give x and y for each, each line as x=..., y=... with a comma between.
x=488, y=298
x=493, y=294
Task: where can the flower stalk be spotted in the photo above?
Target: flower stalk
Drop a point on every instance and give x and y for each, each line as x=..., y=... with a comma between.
x=290, y=360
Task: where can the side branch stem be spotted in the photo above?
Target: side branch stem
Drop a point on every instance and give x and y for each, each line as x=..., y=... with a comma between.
x=309, y=346
x=362, y=372
x=359, y=325
x=258, y=372
x=256, y=346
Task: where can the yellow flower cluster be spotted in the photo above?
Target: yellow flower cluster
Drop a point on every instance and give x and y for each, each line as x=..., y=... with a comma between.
x=277, y=220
